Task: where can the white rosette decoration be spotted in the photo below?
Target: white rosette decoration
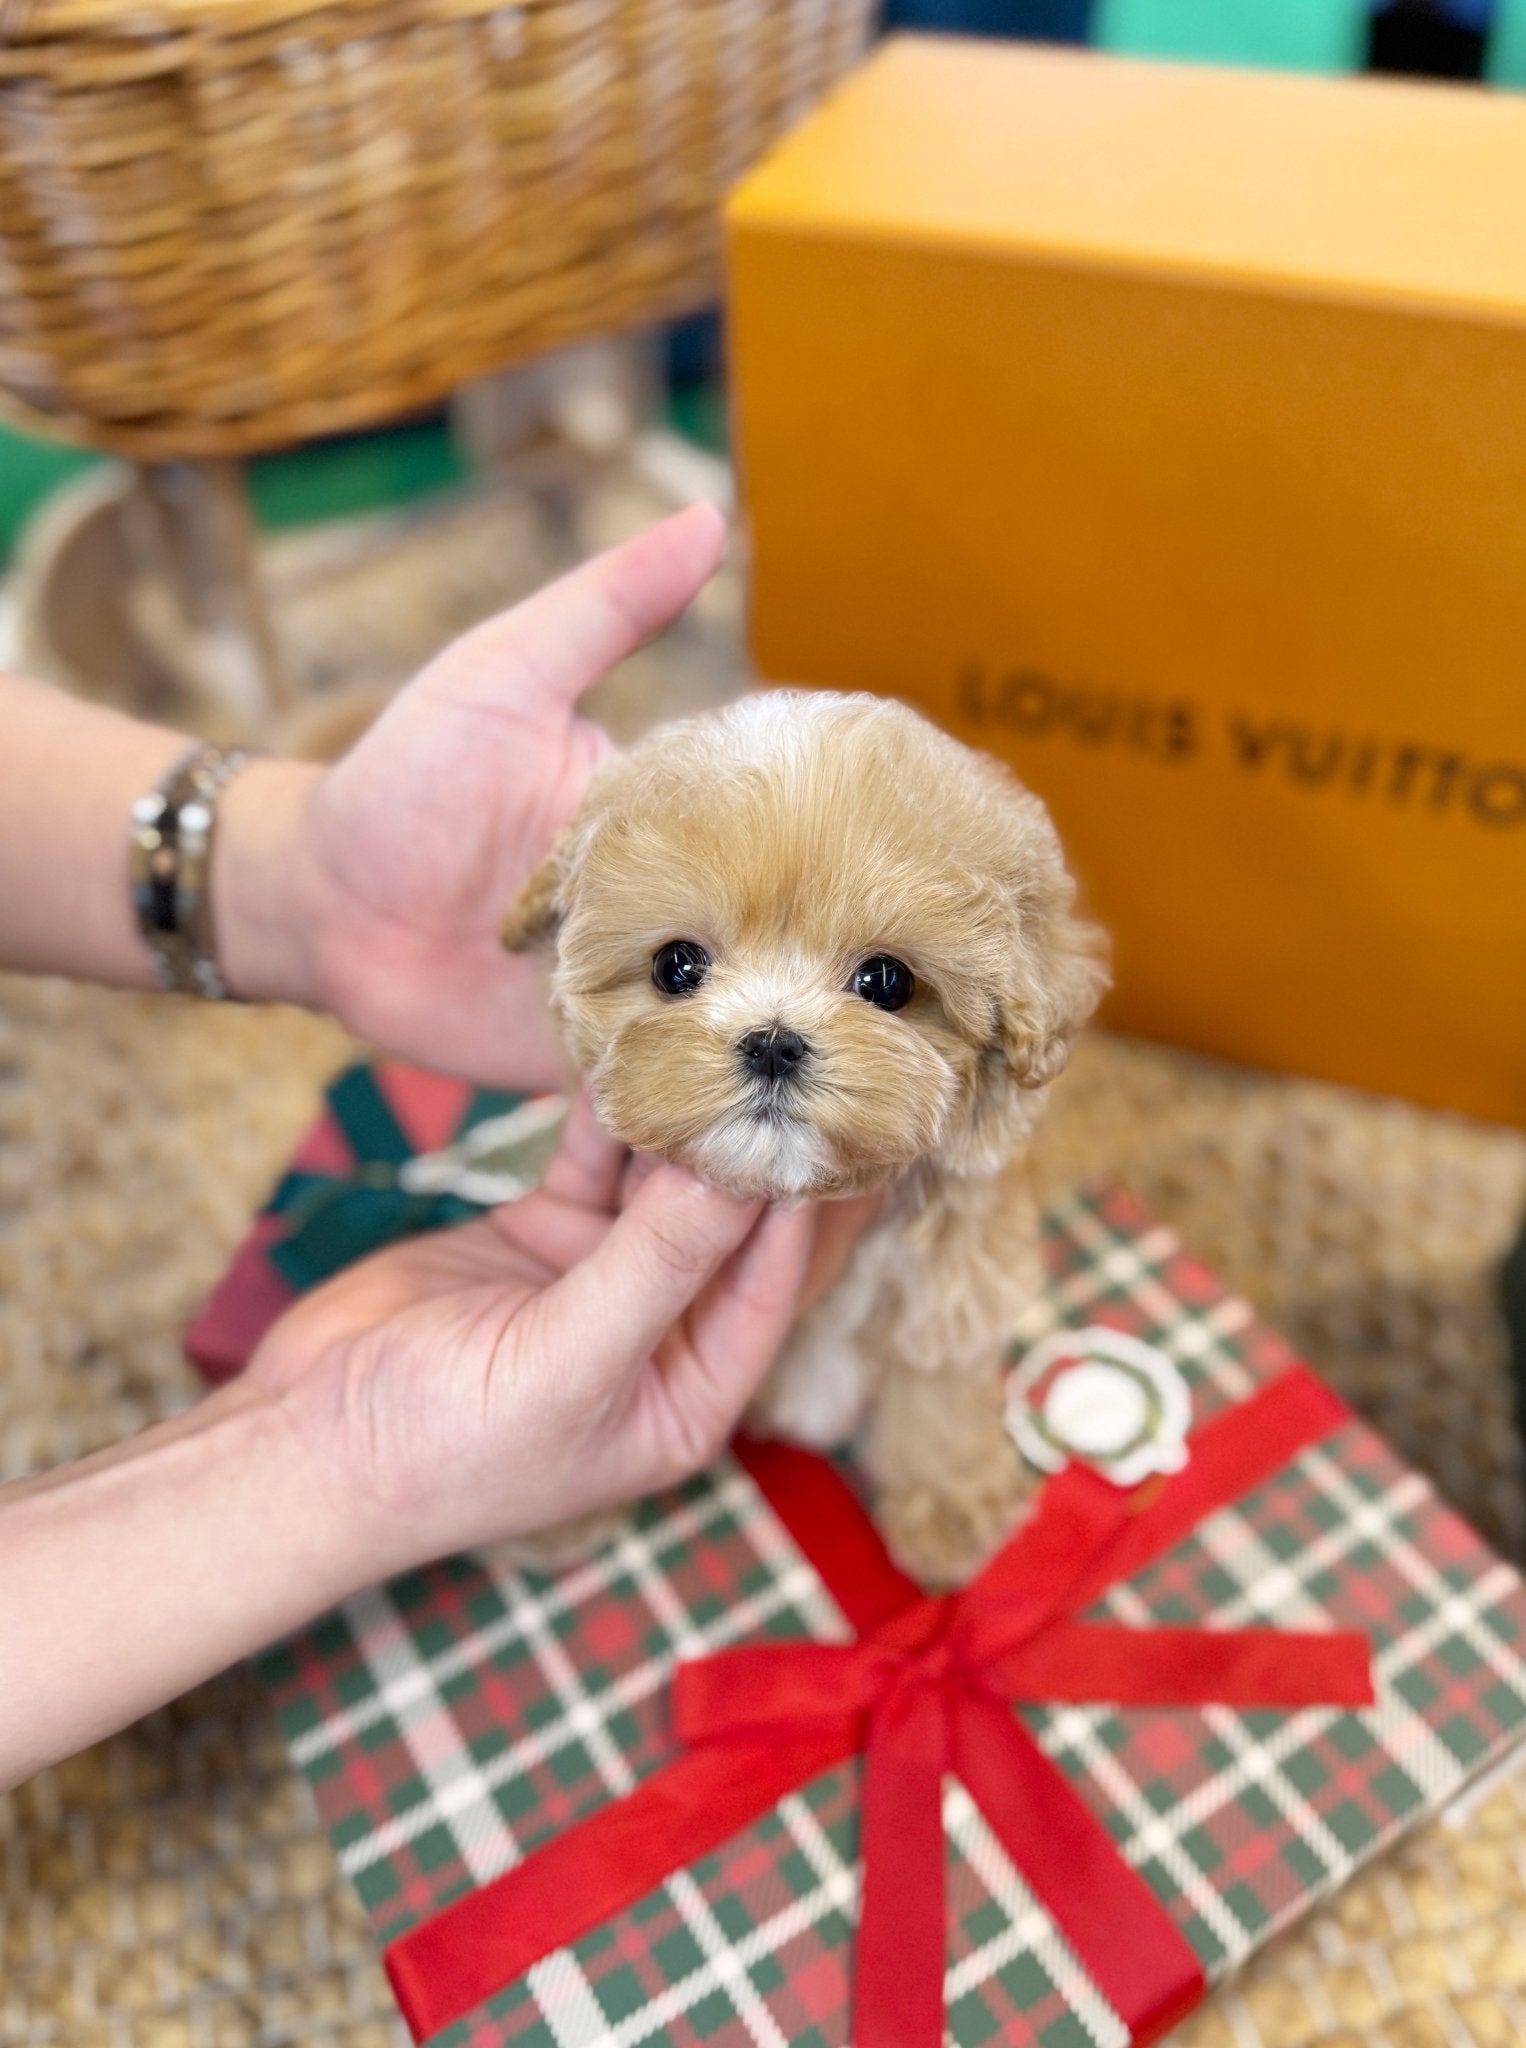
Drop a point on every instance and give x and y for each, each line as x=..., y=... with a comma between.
x=1100, y=1398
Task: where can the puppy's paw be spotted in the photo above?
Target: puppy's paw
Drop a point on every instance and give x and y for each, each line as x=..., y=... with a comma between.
x=553, y=1550
x=943, y=1537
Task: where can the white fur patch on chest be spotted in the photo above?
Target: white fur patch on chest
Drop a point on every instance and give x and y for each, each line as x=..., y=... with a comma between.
x=815, y=1395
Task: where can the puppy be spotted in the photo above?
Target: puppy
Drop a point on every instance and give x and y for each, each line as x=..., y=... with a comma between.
x=809, y=945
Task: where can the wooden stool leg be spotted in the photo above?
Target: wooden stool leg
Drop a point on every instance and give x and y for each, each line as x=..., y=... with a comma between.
x=592, y=400
x=199, y=599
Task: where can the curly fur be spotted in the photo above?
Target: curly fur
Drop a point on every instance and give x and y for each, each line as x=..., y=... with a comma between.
x=793, y=835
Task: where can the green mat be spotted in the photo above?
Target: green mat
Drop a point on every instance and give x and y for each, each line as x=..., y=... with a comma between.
x=29, y=470
x=340, y=479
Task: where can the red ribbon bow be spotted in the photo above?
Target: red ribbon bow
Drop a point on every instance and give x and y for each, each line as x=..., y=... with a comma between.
x=927, y=1689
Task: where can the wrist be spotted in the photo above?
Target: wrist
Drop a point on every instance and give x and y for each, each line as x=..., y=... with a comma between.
x=267, y=910
x=373, y=1531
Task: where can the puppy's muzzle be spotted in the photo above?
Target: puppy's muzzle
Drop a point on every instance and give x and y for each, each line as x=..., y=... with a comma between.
x=773, y=1055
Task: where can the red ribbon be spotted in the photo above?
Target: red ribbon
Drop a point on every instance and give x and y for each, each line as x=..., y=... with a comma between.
x=927, y=1689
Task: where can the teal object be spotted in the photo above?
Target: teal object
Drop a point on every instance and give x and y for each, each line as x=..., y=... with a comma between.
x=340, y=479
x=1276, y=35
x=698, y=413
x=334, y=1219
x=29, y=471
x=360, y=473
x=1505, y=51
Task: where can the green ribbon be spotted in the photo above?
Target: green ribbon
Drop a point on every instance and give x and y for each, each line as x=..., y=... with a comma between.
x=334, y=1219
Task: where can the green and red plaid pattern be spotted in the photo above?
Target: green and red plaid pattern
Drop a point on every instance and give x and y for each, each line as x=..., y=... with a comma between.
x=453, y=1720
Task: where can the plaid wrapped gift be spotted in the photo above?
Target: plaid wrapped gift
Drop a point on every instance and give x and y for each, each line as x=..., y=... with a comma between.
x=397, y=1151
x=456, y=1722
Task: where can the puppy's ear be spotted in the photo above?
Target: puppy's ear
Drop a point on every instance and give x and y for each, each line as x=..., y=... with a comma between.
x=532, y=918
x=1058, y=964
x=1064, y=978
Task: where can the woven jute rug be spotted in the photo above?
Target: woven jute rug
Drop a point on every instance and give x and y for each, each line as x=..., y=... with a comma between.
x=172, y=1888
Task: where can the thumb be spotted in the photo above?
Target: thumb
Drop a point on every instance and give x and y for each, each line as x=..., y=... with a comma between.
x=614, y=1307
x=553, y=646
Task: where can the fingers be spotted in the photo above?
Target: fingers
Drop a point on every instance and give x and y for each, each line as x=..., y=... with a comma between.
x=735, y=1330
x=569, y=1214
x=557, y=644
x=838, y=1228
x=658, y=1257
x=639, y=1168
x=588, y=1162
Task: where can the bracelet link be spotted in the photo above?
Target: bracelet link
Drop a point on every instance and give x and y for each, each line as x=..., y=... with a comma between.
x=172, y=830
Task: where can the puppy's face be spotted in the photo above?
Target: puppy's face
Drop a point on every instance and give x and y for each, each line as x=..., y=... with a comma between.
x=806, y=941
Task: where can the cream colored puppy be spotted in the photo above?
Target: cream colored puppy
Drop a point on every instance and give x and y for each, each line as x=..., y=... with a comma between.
x=810, y=945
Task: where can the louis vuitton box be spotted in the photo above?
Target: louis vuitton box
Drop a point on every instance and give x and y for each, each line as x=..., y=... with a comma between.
x=1163, y=429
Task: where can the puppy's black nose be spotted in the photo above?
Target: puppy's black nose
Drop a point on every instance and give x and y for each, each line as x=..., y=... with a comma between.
x=773, y=1054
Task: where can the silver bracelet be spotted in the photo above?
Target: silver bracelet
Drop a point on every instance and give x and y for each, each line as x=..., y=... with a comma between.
x=172, y=831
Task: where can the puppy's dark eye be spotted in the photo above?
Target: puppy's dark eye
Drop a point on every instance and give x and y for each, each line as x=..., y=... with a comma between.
x=680, y=967
x=888, y=984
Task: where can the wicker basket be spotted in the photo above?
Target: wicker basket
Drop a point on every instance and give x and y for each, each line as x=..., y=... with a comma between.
x=227, y=225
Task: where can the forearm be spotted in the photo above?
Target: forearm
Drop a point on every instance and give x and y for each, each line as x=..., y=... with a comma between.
x=70, y=772
x=136, y=1574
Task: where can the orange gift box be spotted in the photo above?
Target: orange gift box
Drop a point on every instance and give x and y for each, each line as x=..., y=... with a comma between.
x=1163, y=429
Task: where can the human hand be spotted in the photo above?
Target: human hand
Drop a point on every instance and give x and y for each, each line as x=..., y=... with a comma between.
x=546, y=1361
x=375, y=889
x=583, y=1346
